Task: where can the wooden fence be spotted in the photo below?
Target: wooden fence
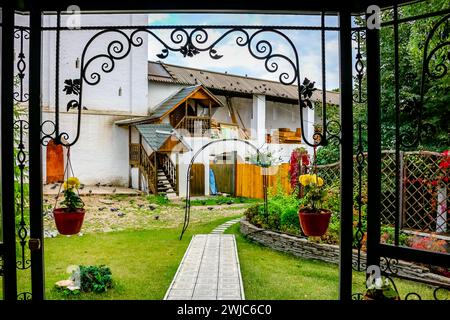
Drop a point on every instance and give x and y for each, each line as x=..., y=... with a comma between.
x=197, y=179
x=225, y=177
x=249, y=179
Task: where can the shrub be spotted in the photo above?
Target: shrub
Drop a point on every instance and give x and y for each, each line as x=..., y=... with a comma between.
x=430, y=243
x=96, y=279
x=289, y=221
x=158, y=199
x=388, y=236
x=252, y=212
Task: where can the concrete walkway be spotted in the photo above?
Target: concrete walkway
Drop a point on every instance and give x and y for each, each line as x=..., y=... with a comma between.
x=209, y=270
x=220, y=229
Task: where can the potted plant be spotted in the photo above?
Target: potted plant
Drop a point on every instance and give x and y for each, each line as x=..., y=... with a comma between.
x=314, y=220
x=69, y=218
x=381, y=290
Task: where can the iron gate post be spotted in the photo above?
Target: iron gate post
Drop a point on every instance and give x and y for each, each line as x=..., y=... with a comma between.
x=346, y=117
x=374, y=146
x=35, y=155
x=7, y=155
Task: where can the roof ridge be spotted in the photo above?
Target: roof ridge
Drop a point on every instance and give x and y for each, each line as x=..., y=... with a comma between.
x=163, y=64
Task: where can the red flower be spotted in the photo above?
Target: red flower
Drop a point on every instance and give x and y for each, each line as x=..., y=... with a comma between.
x=305, y=160
x=444, y=164
x=446, y=153
x=434, y=182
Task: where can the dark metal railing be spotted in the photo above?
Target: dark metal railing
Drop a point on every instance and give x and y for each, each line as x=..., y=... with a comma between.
x=169, y=168
x=134, y=154
x=148, y=169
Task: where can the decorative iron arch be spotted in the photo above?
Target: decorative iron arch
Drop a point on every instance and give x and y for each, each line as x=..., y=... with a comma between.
x=189, y=41
x=187, y=209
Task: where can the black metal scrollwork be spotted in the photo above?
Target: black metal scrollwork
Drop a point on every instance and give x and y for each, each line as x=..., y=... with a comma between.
x=1, y=266
x=433, y=67
x=333, y=131
x=437, y=295
x=359, y=96
x=22, y=34
x=48, y=129
x=359, y=265
x=24, y=296
x=21, y=158
x=190, y=42
x=388, y=265
x=357, y=296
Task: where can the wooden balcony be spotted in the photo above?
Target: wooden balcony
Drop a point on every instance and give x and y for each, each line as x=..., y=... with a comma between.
x=196, y=126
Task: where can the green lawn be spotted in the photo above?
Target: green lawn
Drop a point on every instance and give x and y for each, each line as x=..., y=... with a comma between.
x=268, y=274
x=143, y=263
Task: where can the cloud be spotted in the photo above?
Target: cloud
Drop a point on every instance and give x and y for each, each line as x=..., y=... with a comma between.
x=157, y=17
x=238, y=60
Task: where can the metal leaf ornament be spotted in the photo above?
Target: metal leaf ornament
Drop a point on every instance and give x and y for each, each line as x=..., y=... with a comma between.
x=72, y=86
x=306, y=90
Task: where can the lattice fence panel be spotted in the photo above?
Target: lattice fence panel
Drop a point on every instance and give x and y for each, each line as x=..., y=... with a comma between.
x=388, y=195
x=426, y=189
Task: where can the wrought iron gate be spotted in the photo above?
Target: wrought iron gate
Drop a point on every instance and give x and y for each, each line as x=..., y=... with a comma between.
x=190, y=41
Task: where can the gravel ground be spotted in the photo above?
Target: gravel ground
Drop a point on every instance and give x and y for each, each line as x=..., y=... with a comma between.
x=106, y=213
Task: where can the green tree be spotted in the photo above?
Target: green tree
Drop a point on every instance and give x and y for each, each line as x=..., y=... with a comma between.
x=435, y=111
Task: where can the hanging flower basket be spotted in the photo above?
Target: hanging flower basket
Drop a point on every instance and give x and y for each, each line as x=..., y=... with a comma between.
x=68, y=222
x=314, y=223
x=314, y=220
x=69, y=218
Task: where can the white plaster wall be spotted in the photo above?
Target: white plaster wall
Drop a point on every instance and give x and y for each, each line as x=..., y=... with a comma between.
x=135, y=178
x=134, y=135
x=101, y=155
x=158, y=92
x=130, y=73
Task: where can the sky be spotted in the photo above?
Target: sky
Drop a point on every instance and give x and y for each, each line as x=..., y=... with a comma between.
x=238, y=60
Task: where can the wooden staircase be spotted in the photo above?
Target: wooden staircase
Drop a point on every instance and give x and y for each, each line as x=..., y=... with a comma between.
x=157, y=169
x=166, y=175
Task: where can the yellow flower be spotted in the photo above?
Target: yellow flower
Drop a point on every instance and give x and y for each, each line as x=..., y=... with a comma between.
x=316, y=180
x=305, y=179
x=73, y=182
x=65, y=186
x=319, y=181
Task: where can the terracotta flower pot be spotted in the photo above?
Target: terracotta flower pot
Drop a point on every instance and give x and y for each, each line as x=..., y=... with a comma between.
x=314, y=224
x=68, y=223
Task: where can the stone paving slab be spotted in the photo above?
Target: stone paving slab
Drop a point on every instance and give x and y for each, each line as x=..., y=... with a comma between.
x=220, y=229
x=209, y=270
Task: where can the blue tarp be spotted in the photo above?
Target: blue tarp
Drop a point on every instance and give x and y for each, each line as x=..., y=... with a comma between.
x=212, y=182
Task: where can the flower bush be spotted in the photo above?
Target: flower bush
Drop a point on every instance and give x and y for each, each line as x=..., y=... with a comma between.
x=281, y=213
x=72, y=200
x=430, y=243
x=299, y=158
x=314, y=193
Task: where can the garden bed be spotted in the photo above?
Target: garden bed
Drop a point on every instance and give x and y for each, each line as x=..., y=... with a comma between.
x=301, y=247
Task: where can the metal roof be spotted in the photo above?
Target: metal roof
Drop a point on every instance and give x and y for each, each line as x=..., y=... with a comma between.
x=172, y=101
x=169, y=104
x=155, y=139
x=217, y=81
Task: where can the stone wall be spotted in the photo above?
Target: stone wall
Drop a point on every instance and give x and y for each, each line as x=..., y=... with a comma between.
x=303, y=248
